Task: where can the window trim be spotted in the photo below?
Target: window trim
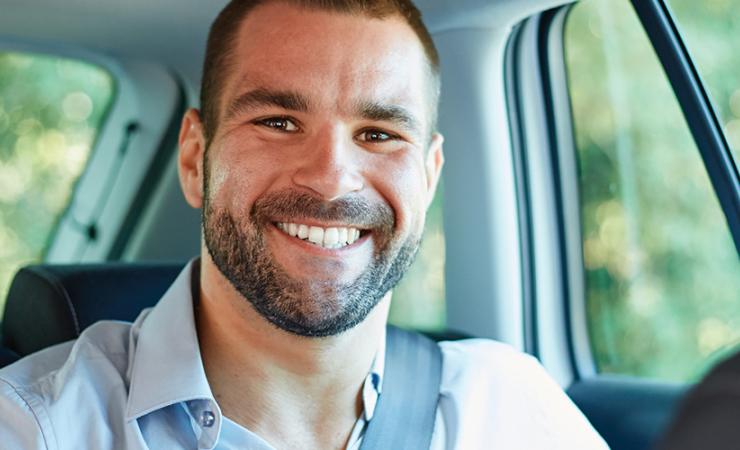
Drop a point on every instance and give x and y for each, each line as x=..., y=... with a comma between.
x=154, y=173
x=550, y=254
x=567, y=188
x=131, y=144
x=512, y=80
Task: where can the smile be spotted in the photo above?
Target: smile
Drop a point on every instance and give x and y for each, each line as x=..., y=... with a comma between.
x=330, y=238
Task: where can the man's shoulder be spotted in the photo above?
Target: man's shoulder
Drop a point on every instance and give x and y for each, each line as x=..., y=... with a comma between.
x=486, y=368
x=103, y=344
x=491, y=390
x=43, y=395
x=486, y=356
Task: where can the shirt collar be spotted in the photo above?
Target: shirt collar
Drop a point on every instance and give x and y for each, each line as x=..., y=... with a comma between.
x=166, y=366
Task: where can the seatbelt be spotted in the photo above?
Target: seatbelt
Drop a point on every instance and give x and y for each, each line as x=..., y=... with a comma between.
x=407, y=405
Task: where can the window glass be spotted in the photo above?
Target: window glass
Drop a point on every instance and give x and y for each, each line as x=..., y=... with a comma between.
x=50, y=112
x=419, y=300
x=711, y=31
x=662, y=273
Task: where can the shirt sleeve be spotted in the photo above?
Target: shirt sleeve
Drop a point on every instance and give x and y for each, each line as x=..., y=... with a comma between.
x=20, y=420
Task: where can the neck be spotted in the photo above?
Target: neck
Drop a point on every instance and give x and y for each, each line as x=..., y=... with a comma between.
x=289, y=389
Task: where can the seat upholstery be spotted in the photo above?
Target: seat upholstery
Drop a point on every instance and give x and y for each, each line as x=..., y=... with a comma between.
x=50, y=304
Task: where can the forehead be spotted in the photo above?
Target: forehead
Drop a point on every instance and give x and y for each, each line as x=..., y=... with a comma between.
x=332, y=58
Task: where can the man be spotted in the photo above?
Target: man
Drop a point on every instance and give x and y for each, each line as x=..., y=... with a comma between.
x=314, y=158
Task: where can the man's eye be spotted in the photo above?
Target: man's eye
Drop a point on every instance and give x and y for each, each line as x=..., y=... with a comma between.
x=376, y=136
x=279, y=123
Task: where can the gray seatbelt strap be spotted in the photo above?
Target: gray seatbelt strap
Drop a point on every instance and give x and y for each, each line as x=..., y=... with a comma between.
x=407, y=405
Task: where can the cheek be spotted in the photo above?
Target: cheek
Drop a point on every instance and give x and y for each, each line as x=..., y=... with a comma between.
x=225, y=177
x=217, y=178
x=237, y=176
x=401, y=182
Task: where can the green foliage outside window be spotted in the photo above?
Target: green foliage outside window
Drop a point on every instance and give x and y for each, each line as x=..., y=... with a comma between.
x=662, y=273
x=50, y=112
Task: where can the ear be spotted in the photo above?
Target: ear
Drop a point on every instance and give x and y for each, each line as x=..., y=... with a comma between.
x=434, y=161
x=190, y=157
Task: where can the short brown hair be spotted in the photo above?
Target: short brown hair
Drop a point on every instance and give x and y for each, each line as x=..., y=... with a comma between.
x=224, y=30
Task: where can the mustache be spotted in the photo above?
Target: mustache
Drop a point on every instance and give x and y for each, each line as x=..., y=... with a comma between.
x=352, y=209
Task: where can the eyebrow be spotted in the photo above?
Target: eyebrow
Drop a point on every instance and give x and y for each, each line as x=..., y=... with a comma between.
x=389, y=113
x=261, y=97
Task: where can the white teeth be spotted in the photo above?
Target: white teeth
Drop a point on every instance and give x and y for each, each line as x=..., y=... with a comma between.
x=352, y=235
x=332, y=237
x=316, y=235
x=302, y=231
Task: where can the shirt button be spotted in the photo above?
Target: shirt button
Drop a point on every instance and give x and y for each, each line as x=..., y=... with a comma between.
x=207, y=419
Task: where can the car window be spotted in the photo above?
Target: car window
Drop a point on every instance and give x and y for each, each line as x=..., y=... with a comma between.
x=662, y=276
x=51, y=109
x=711, y=32
x=419, y=300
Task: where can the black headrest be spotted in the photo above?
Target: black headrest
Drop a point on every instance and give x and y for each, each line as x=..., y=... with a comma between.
x=50, y=304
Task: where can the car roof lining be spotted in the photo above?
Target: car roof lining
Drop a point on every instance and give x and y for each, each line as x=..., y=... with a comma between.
x=135, y=28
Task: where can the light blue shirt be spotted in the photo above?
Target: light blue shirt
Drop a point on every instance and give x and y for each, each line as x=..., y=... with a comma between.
x=142, y=386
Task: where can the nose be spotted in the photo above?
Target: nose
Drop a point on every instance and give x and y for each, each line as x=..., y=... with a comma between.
x=330, y=167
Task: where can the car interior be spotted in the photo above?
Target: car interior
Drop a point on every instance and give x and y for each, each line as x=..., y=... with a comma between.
x=534, y=239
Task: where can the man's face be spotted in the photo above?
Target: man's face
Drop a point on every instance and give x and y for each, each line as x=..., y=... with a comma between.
x=318, y=176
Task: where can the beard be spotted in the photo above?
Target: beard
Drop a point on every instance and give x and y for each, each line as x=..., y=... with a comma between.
x=305, y=307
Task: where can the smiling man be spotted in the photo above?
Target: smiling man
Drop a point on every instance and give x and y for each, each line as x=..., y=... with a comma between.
x=314, y=158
